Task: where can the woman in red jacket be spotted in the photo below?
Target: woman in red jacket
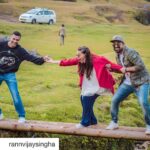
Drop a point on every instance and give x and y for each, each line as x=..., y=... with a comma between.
x=95, y=80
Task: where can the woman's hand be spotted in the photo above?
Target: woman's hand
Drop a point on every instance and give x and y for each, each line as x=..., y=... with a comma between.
x=50, y=60
x=47, y=59
x=108, y=66
x=123, y=70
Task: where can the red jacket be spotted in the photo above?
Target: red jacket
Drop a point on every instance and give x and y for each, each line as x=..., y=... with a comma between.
x=104, y=77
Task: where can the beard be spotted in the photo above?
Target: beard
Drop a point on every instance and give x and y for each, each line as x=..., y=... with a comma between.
x=118, y=50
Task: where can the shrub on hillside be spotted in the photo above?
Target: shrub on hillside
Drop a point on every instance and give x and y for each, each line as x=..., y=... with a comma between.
x=3, y=1
x=143, y=17
x=111, y=13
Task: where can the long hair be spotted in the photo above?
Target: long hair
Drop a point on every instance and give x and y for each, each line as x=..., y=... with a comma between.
x=86, y=67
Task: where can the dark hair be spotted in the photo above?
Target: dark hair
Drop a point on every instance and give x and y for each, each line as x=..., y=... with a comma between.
x=86, y=67
x=17, y=33
x=62, y=25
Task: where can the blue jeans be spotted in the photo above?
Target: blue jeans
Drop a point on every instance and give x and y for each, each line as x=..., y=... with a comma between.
x=88, y=117
x=142, y=93
x=10, y=79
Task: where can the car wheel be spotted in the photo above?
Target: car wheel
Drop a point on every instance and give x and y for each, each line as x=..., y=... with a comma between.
x=33, y=21
x=51, y=22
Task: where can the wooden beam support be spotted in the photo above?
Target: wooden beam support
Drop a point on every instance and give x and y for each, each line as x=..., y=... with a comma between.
x=133, y=133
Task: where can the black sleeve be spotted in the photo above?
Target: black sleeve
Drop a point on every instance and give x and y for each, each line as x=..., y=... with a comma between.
x=32, y=57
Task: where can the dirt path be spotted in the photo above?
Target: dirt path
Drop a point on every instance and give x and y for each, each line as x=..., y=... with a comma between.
x=9, y=18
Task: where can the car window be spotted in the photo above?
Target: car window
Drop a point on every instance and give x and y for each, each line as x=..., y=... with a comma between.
x=32, y=11
x=48, y=13
x=51, y=13
x=40, y=13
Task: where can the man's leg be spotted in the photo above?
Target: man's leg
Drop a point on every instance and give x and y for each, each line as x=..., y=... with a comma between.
x=1, y=113
x=11, y=81
x=143, y=94
x=122, y=92
x=63, y=39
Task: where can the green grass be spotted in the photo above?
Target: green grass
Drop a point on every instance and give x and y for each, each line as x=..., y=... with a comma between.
x=50, y=92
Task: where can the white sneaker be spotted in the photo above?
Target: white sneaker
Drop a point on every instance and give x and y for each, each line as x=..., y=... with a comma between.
x=78, y=126
x=1, y=116
x=147, y=130
x=21, y=120
x=112, y=126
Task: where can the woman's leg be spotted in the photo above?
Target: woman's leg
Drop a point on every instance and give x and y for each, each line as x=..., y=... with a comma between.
x=88, y=116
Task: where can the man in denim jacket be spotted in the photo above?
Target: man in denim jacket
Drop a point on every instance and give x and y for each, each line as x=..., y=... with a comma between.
x=136, y=79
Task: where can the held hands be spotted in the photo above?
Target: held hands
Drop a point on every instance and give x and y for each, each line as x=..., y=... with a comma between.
x=48, y=59
x=125, y=71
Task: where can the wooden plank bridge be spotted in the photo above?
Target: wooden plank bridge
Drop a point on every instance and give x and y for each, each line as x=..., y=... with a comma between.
x=99, y=130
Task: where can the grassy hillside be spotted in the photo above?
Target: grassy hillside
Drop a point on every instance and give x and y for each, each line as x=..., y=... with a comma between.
x=80, y=12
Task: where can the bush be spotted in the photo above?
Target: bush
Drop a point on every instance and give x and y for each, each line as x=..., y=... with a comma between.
x=143, y=17
x=3, y=1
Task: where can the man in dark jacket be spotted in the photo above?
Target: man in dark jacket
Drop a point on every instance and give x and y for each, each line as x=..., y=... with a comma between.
x=11, y=56
x=136, y=80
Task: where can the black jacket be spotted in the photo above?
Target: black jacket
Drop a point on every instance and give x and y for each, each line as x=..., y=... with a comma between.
x=11, y=58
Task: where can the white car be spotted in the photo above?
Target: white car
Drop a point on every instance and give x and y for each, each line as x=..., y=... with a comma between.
x=38, y=15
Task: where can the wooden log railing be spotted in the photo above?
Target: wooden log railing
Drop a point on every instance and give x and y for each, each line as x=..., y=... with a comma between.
x=99, y=130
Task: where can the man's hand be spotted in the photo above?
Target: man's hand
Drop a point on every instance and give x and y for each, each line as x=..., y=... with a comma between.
x=123, y=69
x=47, y=59
x=50, y=60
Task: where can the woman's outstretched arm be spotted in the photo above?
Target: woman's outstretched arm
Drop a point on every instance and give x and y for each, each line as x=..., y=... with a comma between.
x=63, y=62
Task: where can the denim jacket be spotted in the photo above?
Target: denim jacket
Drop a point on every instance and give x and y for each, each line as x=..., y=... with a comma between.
x=132, y=58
